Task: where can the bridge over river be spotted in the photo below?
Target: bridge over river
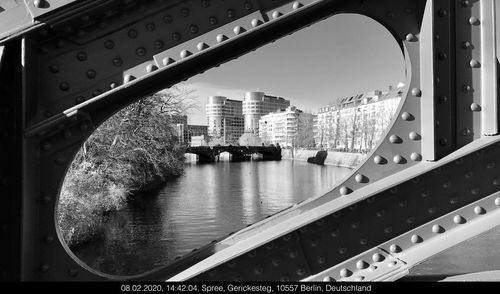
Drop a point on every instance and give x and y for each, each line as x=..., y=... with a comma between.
x=238, y=153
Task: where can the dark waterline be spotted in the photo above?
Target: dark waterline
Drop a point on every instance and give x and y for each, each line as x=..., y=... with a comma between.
x=210, y=201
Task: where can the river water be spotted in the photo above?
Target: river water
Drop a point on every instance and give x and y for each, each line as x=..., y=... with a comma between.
x=212, y=200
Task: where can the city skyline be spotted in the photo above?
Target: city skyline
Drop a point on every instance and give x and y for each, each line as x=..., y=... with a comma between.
x=312, y=67
x=340, y=56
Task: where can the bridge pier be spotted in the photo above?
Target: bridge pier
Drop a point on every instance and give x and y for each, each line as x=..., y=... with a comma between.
x=238, y=157
x=207, y=158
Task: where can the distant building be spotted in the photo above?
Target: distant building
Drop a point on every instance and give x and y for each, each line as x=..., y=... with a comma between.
x=196, y=130
x=180, y=124
x=201, y=140
x=280, y=127
x=257, y=104
x=225, y=119
x=356, y=123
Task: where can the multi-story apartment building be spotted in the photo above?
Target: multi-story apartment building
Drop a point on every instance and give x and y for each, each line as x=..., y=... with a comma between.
x=281, y=127
x=225, y=119
x=356, y=123
x=257, y=104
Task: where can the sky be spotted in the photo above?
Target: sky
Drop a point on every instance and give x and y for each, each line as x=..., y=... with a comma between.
x=341, y=56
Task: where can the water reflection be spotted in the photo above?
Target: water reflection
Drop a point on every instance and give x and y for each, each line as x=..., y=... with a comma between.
x=206, y=203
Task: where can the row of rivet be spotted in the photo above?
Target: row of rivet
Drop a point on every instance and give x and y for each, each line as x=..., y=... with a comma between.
x=394, y=248
x=220, y=38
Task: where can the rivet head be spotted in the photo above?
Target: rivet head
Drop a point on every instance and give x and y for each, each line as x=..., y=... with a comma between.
x=296, y=5
x=416, y=239
x=151, y=68
x=231, y=13
x=132, y=34
x=360, y=178
x=342, y=250
x=416, y=156
x=377, y=257
x=457, y=219
x=379, y=160
x=479, y=210
x=301, y=272
x=159, y=44
x=411, y=38
x=221, y=38
x=117, y=62
x=410, y=220
x=474, y=21
x=185, y=12
x=321, y=260
x=490, y=165
x=201, y=46
x=276, y=14
x=398, y=159
x=213, y=20
x=293, y=254
x=328, y=279
x=167, y=61
x=475, y=64
x=238, y=30
x=276, y=261
x=176, y=37
x=141, y=51
x=466, y=88
x=475, y=107
x=442, y=13
x=394, y=248
x=54, y=68
x=109, y=44
x=91, y=74
x=128, y=78
x=256, y=22
x=344, y=273
x=497, y=201
x=167, y=19
x=437, y=229
x=416, y=92
x=361, y=264
x=193, y=29
x=345, y=191
x=150, y=27
x=258, y=270
x=64, y=86
x=81, y=56
x=407, y=116
x=443, y=142
x=185, y=53
x=395, y=139
x=414, y=136
x=41, y=4
x=474, y=191
x=466, y=45
x=248, y=5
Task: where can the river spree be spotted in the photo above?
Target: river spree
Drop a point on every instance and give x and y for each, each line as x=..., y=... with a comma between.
x=208, y=202
x=212, y=200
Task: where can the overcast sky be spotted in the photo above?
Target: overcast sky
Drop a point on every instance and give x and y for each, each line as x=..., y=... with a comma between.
x=340, y=56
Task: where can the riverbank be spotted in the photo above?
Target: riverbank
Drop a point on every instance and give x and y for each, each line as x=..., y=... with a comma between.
x=340, y=159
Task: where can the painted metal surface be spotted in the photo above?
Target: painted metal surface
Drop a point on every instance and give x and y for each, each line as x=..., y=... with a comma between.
x=76, y=63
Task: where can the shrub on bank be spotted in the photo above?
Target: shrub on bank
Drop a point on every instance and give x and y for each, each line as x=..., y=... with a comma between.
x=136, y=150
